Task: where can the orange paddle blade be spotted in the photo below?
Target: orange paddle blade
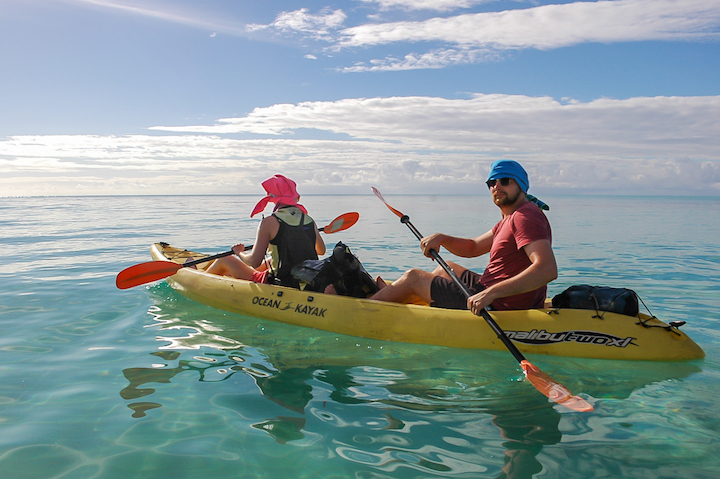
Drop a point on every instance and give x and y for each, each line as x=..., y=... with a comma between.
x=377, y=193
x=342, y=222
x=145, y=273
x=552, y=389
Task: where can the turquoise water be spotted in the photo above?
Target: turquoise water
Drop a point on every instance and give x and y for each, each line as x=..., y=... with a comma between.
x=101, y=383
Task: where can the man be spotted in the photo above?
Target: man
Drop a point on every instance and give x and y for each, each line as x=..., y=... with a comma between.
x=521, y=263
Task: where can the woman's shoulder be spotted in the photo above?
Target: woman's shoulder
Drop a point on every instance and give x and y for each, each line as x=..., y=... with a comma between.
x=292, y=215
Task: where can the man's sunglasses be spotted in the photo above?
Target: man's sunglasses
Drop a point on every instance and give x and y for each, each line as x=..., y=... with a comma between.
x=503, y=182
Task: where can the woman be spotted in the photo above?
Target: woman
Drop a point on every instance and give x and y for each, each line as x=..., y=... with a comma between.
x=289, y=234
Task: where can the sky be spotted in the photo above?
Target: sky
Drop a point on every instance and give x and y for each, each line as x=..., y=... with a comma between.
x=179, y=97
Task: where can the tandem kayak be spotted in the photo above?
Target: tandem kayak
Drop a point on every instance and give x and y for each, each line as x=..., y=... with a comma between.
x=557, y=332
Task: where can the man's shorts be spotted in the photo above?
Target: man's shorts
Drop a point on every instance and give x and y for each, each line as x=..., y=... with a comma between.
x=446, y=294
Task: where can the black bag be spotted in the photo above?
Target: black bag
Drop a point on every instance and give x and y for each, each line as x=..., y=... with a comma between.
x=342, y=269
x=599, y=299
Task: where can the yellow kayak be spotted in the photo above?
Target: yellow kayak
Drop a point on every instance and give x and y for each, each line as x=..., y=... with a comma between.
x=563, y=332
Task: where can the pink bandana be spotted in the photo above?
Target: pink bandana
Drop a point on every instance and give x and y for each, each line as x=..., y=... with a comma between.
x=281, y=191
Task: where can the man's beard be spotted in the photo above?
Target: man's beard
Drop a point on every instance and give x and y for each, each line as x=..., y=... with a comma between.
x=506, y=199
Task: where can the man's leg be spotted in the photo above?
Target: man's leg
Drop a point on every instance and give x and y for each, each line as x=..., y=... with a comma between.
x=412, y=282
x=440, y=271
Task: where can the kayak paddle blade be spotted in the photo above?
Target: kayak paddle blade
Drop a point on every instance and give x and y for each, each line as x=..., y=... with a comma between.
x=555, y=391
x=341, y=223
x=377, y=193
x=145, y=273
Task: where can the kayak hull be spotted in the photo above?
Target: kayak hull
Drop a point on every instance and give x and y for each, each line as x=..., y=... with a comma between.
x=565, y=332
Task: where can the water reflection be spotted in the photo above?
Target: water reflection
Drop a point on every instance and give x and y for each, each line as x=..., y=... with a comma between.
x=159, y=374
x=380, y=406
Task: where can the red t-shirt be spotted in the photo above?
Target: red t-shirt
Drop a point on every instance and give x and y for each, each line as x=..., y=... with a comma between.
x=507, y=258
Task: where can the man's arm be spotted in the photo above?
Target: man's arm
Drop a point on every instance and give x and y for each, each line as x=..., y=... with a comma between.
x=542, y=270
x=463, y=247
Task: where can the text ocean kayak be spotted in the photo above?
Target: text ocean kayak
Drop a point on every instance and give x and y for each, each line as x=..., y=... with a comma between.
x=564, y=332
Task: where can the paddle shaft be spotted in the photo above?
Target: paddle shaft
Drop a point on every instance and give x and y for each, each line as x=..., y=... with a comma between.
x=210, y=258
x=486, y=316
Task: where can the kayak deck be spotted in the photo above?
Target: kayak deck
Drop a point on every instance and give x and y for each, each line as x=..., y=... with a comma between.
x=564, y=332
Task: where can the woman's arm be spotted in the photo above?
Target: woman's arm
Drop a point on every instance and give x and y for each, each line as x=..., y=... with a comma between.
x=267, y=230
x=319, y=243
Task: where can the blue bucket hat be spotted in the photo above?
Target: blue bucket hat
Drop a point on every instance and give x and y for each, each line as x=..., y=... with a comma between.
x=510, y=169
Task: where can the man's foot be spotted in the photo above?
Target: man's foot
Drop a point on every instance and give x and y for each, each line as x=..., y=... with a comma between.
x=380, y=282
x=330, y=289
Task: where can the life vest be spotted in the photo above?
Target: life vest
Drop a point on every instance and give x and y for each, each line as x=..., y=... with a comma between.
x=293, y=243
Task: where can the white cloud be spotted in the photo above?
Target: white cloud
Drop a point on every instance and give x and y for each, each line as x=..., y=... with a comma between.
x=476, y=37
x=430, y=60
x=407, y=144
x=654, y=126
x=439, y=5
x=318, y=27
x=173, y=12
x=459, y=39
x=553, y=26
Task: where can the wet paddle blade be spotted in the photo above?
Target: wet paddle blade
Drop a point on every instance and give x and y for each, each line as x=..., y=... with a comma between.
x=555, y=391
x=145, y=273
x=377, y=193
x=342, y=222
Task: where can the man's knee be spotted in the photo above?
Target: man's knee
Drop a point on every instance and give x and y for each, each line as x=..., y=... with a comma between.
x=412, y=276
x=412, y=282
x=418, y=281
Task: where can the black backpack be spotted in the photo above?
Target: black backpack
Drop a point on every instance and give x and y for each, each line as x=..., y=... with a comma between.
x=342, y=269
x=599, y=299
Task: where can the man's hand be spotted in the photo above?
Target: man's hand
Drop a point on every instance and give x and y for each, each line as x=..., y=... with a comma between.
x=434, y=241
x=477, y=302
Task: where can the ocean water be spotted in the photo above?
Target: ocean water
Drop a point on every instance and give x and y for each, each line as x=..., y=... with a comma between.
x=96, y=382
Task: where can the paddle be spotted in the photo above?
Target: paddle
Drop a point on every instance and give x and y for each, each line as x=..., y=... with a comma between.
x=542, y=382
x=156, y=270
